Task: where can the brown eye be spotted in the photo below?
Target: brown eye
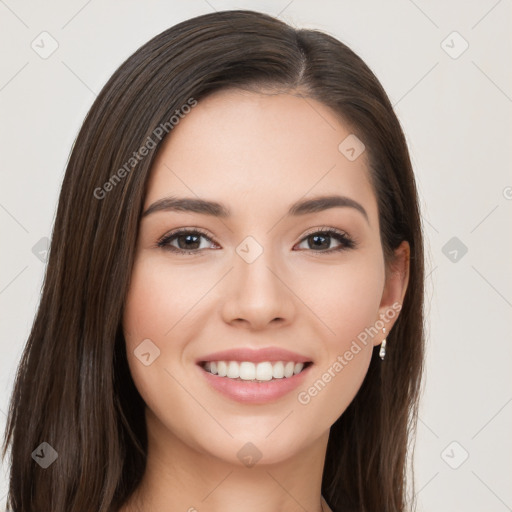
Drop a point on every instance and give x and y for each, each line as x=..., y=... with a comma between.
x=186, y=241
x=320, y=241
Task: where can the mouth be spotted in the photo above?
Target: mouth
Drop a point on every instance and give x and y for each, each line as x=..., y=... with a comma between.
x=256, y=372
x=252, y=376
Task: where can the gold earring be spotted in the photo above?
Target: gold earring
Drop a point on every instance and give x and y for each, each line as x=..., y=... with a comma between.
x=382, y=351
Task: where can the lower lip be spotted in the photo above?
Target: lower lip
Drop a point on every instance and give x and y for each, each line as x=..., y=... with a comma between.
x=254, y=392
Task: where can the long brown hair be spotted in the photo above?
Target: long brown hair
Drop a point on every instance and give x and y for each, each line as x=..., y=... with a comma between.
x=73, y=389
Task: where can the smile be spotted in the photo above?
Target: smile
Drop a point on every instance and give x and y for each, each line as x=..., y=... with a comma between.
x=254, y=383
x=254, y=372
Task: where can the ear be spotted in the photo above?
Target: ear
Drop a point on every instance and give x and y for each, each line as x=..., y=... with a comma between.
x=397, y=279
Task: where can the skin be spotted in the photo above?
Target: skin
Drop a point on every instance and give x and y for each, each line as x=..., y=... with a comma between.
x=257, y=153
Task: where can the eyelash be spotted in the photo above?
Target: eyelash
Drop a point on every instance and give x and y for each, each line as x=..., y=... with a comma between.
x=346, y=241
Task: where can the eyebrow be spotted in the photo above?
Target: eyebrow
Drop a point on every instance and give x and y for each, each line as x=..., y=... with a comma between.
x=215, y=209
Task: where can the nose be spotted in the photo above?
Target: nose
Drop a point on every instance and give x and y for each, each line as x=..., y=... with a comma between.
x=257, y=295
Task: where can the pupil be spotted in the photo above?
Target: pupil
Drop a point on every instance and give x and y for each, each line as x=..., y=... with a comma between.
x=316, y=239
x=188, y=238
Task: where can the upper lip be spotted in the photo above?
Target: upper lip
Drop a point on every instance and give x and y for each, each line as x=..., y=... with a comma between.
x=271, y=354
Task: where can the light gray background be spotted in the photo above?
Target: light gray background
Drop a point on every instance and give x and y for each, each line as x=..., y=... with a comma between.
x=456, y=113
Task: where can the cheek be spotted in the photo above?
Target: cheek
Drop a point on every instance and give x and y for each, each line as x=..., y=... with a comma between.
x=161, y=300
x=345, y=298
x=164, y=304
x=147, y=318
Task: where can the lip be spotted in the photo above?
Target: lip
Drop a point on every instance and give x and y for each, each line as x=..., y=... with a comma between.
x=271, y=354
x=254, y=392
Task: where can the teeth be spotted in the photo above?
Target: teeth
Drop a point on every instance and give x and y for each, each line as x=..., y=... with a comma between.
x=222, y=368
x=264, y=371
x=233, y=370
x=246, y=370
x=278, y=370
x=288, y=369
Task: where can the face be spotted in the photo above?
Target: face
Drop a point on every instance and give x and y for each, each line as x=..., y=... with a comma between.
x=276, y=291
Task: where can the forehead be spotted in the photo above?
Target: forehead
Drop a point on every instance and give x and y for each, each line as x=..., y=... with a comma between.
x=246, y=148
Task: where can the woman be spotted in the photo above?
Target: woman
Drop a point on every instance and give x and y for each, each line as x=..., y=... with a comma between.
x=232, y=314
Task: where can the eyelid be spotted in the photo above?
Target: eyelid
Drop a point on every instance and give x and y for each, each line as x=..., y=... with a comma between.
x=324, y=229
x=189, y=229
x=311, y=231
